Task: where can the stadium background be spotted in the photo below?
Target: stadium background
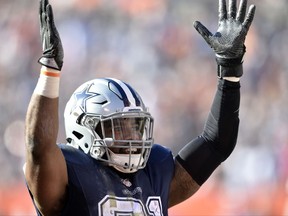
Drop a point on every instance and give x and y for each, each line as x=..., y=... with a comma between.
x=152, y=45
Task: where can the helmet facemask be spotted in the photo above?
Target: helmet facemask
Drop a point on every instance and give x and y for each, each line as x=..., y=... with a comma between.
x=122, y=140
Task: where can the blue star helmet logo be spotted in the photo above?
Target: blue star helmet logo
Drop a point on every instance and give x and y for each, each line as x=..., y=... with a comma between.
x=83, y=96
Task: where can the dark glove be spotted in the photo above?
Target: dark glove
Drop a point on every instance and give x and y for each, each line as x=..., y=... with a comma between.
x=52, y=47
x=228, y=41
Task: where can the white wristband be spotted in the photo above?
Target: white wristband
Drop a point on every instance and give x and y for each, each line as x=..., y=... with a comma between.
x=48, y=83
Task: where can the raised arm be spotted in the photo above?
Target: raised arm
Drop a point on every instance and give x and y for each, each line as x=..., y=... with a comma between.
x=199, y=158
x=45, y=169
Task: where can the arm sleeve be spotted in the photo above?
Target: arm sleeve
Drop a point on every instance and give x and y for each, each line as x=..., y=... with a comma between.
x=202, y=155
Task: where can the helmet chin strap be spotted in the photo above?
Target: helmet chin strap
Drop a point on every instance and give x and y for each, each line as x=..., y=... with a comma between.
x=125, y=163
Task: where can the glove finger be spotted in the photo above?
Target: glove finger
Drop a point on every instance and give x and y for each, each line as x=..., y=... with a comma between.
x=222, y=10
x=242, y=11
x=42, y=9
x=43, y=22
x=50, y=12
x=232, y=9
x=249, y=17
x=43, y=4
x=203, y=31
x=44, y=32
x=50, y=21
x=40, y=13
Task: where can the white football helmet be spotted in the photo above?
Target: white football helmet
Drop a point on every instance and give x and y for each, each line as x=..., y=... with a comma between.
x=108, y=120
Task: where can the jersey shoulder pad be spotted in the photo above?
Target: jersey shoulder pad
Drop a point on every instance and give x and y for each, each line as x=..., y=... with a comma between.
x=75, y=156
x=160, y=153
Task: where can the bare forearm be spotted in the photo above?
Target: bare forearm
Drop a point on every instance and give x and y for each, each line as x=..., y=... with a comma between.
x=41, y=124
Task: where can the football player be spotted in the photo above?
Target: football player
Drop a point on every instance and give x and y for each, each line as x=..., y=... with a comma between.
x=110, y=164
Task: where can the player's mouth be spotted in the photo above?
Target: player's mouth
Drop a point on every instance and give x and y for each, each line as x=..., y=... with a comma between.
x=126, y=150
x=130, y=151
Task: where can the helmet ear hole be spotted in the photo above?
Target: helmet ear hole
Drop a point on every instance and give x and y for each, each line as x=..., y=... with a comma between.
x=78, y=135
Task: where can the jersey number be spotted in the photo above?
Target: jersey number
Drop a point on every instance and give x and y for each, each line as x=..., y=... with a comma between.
x=114, y=206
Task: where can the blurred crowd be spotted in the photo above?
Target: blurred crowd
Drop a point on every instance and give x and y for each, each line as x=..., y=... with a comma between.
x=152, y=45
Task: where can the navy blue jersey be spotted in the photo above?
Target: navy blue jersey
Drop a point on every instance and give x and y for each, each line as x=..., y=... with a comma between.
x=97, y=189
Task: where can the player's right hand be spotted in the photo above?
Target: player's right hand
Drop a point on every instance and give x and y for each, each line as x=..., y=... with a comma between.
x=53, y=54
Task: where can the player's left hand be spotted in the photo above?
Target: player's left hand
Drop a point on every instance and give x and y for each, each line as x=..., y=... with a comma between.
x=52, y=47
x=233, y=26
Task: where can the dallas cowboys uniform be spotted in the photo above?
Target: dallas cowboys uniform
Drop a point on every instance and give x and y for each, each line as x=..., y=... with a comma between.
x=95, y=189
